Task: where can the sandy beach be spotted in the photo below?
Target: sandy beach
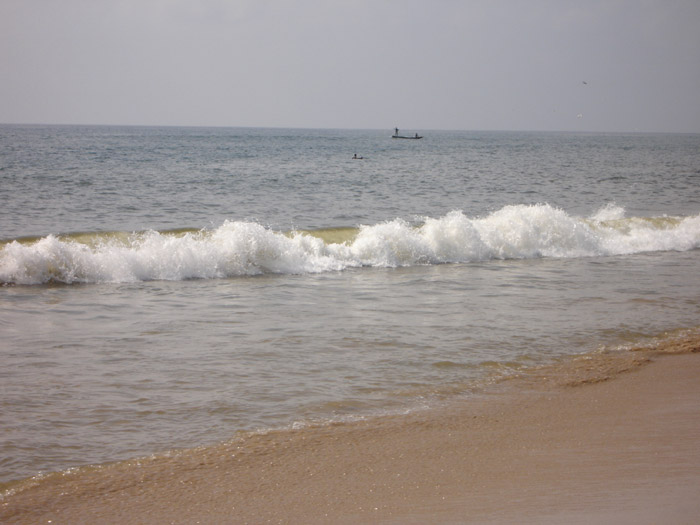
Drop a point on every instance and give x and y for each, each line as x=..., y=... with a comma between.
x=602, y=438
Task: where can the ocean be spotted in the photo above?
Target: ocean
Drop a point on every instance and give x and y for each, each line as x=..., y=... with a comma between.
x=168, y=288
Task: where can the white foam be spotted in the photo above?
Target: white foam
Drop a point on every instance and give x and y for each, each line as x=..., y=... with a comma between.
x=248, y=248
x=609, y=212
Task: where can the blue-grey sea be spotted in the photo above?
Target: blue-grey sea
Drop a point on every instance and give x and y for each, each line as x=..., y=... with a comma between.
x=166, y=288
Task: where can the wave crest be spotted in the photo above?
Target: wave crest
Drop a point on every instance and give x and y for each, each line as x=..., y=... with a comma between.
x=248, y=248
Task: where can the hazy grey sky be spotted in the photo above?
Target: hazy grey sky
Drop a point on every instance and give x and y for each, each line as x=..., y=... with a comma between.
x=438, y=64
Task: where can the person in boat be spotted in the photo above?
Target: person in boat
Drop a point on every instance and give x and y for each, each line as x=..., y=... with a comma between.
x=416, y=135
x=396, y=131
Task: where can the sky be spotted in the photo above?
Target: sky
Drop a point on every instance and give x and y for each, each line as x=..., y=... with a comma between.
x=569, y=65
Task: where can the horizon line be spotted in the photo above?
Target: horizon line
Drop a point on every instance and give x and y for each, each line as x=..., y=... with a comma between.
x=422, y=130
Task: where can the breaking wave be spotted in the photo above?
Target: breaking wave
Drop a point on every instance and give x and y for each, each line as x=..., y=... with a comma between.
x=248, y=248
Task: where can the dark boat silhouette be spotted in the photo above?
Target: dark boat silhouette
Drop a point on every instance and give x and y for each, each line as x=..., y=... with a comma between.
x=397, y=136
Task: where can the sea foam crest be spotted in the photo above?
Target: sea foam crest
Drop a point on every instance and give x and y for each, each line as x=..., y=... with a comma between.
x=248, y=248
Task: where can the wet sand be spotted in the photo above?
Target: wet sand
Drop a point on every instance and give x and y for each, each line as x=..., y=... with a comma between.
x=603, y=438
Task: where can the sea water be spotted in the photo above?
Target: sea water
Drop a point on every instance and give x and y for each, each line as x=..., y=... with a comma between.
x=169, y=287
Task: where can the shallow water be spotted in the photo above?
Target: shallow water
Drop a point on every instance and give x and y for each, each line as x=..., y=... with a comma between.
x=119, y=345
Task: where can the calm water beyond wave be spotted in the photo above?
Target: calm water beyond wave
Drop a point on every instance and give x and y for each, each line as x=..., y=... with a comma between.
x=168, y=287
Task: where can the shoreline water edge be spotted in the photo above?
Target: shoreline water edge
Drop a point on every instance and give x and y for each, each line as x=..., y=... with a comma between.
x=601, y=437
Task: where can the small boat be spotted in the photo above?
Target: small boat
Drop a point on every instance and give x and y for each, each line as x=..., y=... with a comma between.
x=397, y=136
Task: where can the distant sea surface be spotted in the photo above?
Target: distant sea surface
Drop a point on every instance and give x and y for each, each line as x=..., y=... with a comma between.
x=167, y=288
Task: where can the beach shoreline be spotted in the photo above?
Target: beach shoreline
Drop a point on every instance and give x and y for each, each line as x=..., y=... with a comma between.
x=605, y=437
